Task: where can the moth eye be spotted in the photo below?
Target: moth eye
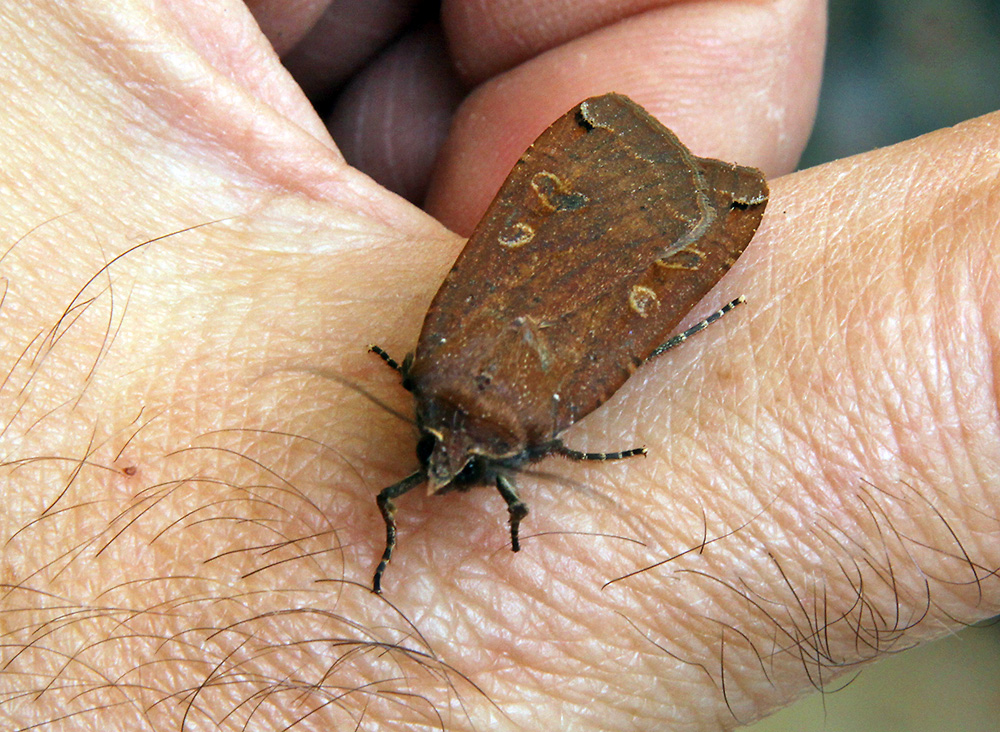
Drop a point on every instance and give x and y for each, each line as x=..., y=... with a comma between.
x=471, y=472
x=425, y=446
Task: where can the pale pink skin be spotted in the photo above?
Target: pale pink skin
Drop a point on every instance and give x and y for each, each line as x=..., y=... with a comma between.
x=189, y=525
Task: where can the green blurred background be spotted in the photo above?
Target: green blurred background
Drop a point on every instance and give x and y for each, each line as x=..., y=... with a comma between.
x=896, y=69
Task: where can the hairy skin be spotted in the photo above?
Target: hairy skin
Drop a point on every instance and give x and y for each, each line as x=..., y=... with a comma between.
x=189, y=523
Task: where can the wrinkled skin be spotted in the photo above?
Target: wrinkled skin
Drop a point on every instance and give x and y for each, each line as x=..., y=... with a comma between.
x=189, y=523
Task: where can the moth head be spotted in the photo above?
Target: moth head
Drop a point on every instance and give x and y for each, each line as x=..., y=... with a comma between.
x=463, y=437
x=444, y=454
x=460, y=456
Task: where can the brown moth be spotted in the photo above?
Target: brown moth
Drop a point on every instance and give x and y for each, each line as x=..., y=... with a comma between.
x=604, y=235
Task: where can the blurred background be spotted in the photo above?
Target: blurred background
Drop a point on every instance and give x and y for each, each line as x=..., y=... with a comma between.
x=951, y=685
x=896, y=69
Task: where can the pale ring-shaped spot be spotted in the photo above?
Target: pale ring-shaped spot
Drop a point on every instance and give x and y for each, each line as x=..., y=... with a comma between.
x=642, y=300
x=516, y=235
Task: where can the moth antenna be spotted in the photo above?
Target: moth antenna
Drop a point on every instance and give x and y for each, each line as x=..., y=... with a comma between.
x=326, y=374
x=381, y=353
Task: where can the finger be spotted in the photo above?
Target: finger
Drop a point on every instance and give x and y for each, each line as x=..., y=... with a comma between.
x=735, y=80
x=341, y=41
x=848, y=429
x=285, y=23
x=226, y=41
x=393, y=117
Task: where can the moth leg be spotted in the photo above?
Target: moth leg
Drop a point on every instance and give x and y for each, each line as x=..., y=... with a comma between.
x=515, y=507
x=561, y=449
x=388, y=509
x=681, y=337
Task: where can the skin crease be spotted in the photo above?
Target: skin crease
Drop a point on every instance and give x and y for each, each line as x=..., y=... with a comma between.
x=189, y=524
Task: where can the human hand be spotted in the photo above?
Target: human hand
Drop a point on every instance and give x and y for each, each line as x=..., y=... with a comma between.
x=189, y=521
